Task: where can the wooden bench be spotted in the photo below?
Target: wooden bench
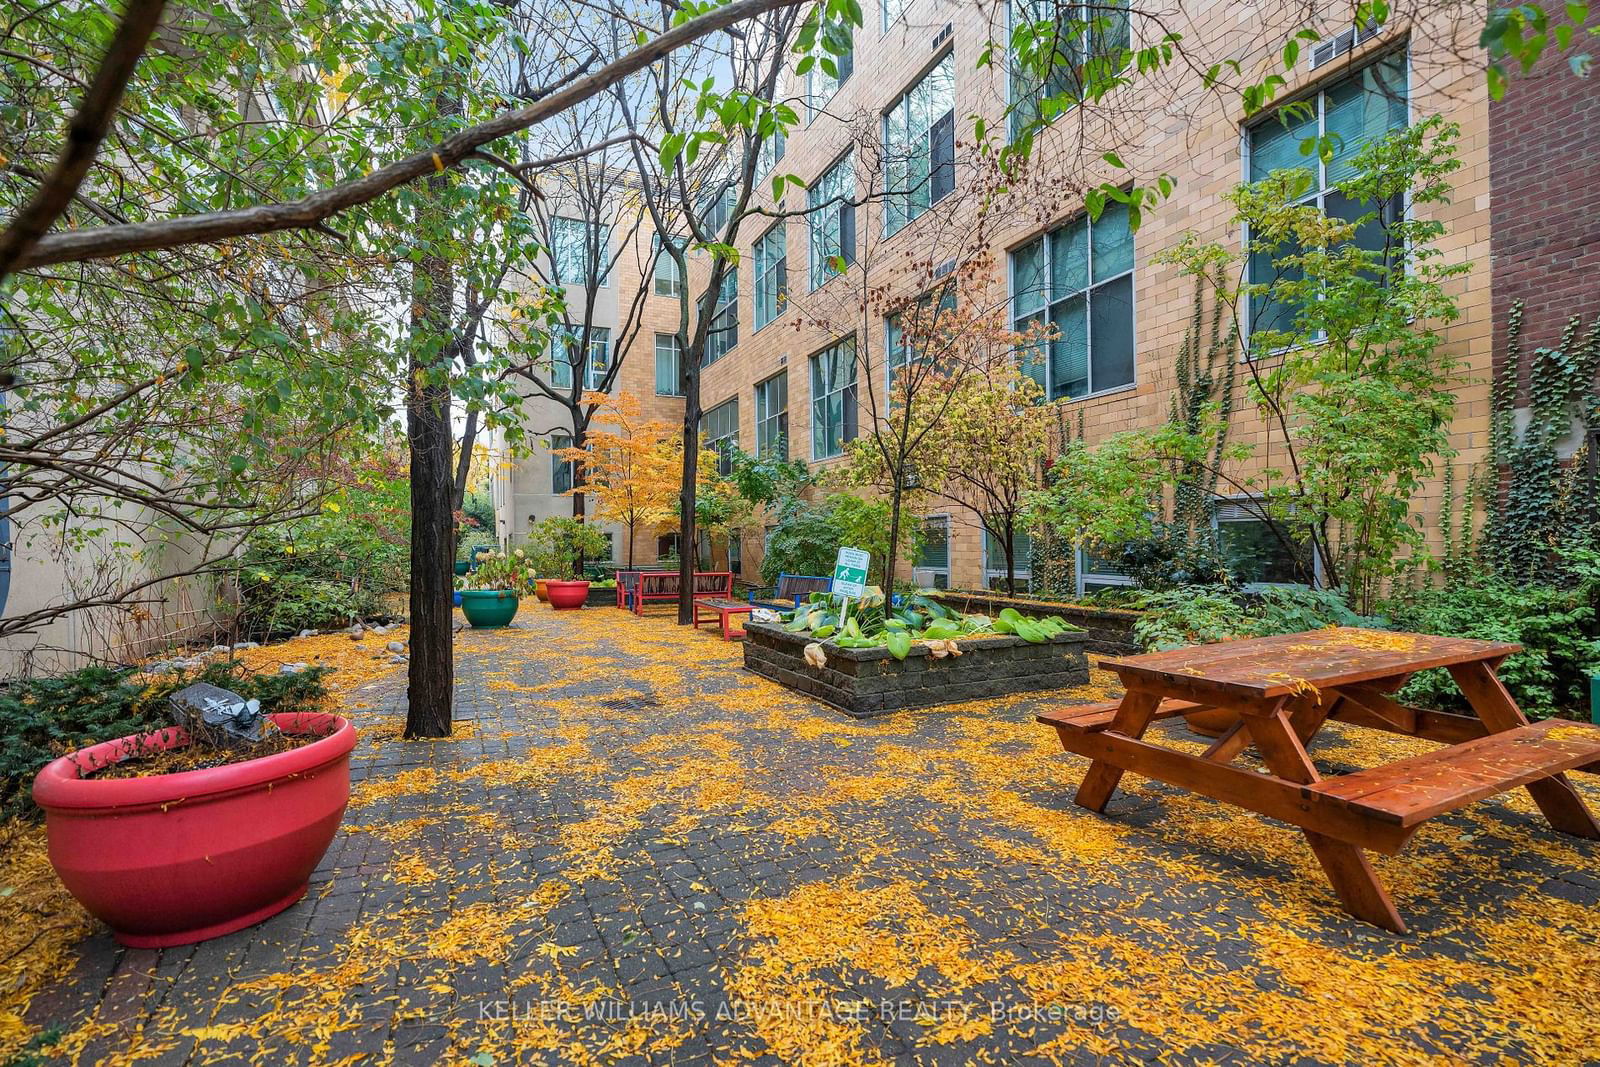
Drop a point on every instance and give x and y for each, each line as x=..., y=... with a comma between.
x=793, y=588
x=655, y=586
x=1088, y=718
x=1412, y=791
x=724, y=610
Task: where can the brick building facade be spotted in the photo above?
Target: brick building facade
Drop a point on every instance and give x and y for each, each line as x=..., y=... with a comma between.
x=915, y=84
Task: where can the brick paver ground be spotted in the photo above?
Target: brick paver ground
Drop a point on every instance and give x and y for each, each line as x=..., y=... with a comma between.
x=636, y=852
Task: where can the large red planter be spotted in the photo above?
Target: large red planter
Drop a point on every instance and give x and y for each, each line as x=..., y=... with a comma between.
x=564, y=596
x=178, y=858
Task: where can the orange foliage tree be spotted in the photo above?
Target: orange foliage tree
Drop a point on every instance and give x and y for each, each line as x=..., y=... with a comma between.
x=629, y=464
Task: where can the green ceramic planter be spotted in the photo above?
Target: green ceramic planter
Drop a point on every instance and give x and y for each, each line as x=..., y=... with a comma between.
x=488, y=607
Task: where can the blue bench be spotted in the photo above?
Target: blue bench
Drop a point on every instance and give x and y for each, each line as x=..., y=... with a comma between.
x=793, y=588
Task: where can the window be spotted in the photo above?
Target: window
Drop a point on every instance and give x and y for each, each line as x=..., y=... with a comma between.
x=833, y=399
x=668, y=278
x=771, y=254
x=669, y=365
x=772, y=416
x=1258, y=551
x=562, y=471
x=771, y=152
x=715, y=212
x=611, y=547
x=892, y=11
x=1077, y=48
x=898, y=350
x=1352, y=112
x=1096, y=572
x=564, y=356
x=833, y=228
x=994, y=560
x=1078, y=281
x=932, y=567
x=723, y=333
x=820, y=85
x=919, y=142
x=735, y=554
x=578, y=252
x=720, y=426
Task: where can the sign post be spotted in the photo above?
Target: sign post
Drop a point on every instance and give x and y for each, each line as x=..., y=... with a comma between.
x=850, y=578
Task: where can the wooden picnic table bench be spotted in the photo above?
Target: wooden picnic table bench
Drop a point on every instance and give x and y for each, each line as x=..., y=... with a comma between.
x=1283, y=690
x=723, y=610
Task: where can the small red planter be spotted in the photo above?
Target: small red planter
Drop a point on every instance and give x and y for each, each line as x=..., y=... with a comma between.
x=564, y=596
x=178, y=858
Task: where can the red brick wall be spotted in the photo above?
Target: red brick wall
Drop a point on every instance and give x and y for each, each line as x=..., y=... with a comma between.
x=1544, y=187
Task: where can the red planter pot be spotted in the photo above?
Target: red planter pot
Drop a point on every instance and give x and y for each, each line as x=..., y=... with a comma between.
x=564, y=596
x=178, y=858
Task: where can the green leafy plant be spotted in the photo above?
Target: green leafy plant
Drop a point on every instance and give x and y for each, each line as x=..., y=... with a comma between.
x=500, y=570
x=873, y=623
x=42, y=718
x=558, y=546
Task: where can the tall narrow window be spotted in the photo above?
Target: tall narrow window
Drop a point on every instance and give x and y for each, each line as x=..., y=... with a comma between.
x=933, y=553
x=1077, y=280
x=668, y=278
x=919, y=136
x=578, y=252
x=832, y=221
x=669, y=365
x=1075, y=51
x=716, y=210
x=994, y=560
x=1353, y=112
x=771, y=254
x=820, y=85
x=561, y=469
x=772, y=150
x=833, y=399
x=723, y=333
x=720, y=427
x=564, y=356
x=772, y=416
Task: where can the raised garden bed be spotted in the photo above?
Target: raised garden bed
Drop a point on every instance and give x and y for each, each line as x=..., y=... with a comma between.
x=1105, y=630
x=864, y=682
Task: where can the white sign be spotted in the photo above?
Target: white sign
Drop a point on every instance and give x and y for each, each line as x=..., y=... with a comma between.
x=850, y=573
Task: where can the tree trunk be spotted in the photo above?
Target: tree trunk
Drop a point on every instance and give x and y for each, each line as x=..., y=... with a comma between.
x=431, y=670
x=689, y=535
x=1011, y=557
x=430, y=674
x=896, y=494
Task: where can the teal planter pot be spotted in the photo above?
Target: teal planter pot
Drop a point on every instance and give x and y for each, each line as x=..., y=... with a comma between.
x=462, y=567
x=488, y=607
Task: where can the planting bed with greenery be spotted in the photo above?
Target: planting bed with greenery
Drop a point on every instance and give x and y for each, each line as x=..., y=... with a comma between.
x=871, y=623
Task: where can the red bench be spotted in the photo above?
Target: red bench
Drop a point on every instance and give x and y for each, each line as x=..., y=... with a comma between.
x=663, y=586
x=723, y=610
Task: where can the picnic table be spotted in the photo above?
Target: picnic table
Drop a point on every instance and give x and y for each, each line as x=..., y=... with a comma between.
x=1284, y=689
x=723, y=610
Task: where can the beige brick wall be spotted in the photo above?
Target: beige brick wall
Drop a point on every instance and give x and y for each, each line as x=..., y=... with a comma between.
x=1169, y=124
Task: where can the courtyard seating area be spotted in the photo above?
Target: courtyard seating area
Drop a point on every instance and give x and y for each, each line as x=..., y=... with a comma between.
x=632, y=851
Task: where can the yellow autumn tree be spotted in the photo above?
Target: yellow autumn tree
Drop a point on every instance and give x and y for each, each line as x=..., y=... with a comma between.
x=630, y=465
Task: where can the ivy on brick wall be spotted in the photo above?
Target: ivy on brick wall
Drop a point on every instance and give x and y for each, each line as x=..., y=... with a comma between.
x=1544, y=502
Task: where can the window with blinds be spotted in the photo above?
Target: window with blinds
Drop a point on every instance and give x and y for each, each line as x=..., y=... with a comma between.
x=1259, y=551
x=669, y=365
x=932, y=567
x=1077, y=283
x=1350, y=114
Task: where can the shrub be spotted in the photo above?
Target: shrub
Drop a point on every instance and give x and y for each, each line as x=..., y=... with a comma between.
x=324, y=571
x=1195, y=615
x=1558, y=626
x=43, y=718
